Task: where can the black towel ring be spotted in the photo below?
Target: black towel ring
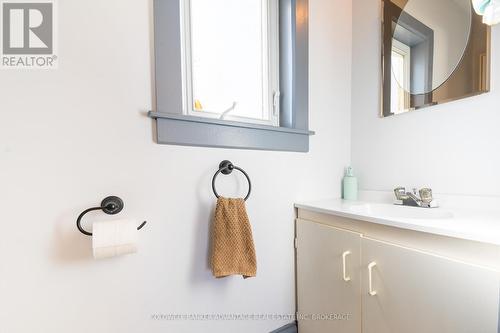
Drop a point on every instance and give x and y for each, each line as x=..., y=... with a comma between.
x=110, y=205
x=226, y=168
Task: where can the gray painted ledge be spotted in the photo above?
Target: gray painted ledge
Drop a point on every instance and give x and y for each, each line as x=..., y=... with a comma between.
x=290, y=328
x=215, y=121
x=184, y=130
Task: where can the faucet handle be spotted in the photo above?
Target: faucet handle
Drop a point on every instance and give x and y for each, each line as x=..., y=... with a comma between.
x=426, y=195
x=400, y=193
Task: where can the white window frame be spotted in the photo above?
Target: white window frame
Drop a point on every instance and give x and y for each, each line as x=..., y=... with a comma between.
x=405, y=51
x=270, y=86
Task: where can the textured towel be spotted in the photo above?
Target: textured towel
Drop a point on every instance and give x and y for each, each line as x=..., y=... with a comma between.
x=233, y=251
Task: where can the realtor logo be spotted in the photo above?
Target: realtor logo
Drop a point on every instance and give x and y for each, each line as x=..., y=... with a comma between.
x=28, y=34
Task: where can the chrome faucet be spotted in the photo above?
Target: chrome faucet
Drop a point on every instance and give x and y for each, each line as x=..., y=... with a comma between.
x=423, y=199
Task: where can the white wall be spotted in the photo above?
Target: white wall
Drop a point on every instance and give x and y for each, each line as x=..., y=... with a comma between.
x=70, y=137
x=452, y=148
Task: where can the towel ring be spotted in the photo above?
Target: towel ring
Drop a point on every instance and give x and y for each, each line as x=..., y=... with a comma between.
x=110, y=205
x=226, y=168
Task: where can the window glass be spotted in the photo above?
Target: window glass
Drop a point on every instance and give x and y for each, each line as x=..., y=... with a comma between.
x=229, y=59
x=400, y=85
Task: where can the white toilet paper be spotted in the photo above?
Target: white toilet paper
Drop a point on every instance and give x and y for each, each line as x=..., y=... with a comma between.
x=114, y=238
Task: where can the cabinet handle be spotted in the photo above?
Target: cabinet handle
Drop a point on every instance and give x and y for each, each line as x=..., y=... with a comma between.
x=344, y=256
x=370, y=280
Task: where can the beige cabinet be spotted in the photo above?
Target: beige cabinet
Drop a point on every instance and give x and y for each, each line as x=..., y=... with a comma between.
x=414, y=291
x=328, y=279
x=387, y=288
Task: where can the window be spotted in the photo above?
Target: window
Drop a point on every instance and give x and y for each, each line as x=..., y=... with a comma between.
x=232, y=74
x=401, y=67
x=231, y=60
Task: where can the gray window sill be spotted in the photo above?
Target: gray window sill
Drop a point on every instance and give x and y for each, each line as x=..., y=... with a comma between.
x=207, y=132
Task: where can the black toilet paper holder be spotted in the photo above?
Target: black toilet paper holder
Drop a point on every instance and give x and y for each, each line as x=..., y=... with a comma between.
x=111, y=205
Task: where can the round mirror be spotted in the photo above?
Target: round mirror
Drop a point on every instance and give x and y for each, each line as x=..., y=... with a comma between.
x=429, y=40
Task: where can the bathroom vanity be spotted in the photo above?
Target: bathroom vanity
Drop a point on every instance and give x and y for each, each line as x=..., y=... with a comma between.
x=372, y=267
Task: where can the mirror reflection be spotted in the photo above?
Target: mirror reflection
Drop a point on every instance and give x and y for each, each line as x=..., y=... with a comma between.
x=437, y=51
x=429, y=40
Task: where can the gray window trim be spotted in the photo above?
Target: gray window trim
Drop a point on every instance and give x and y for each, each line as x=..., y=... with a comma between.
x=177, y=129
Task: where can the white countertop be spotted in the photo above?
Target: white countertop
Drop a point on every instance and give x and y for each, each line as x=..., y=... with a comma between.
x=476, y=224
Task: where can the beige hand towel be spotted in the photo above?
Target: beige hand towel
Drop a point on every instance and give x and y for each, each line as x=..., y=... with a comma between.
x=233, y=251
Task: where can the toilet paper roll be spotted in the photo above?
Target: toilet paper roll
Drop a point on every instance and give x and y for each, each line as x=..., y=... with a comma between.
x=114, y=238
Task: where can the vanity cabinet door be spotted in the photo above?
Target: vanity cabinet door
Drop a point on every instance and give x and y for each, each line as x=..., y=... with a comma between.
x=328, y=279
x=415, y=292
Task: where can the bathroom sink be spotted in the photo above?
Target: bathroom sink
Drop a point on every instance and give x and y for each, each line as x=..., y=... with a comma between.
x=401, y=212
x=464, y=218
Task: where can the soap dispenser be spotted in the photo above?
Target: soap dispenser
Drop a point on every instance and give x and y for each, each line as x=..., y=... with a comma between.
x=350, y=185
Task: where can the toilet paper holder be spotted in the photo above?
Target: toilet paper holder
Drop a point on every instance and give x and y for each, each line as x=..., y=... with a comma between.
x=111, y=205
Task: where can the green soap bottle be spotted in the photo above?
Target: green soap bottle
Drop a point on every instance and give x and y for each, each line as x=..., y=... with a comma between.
x=350, y=185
